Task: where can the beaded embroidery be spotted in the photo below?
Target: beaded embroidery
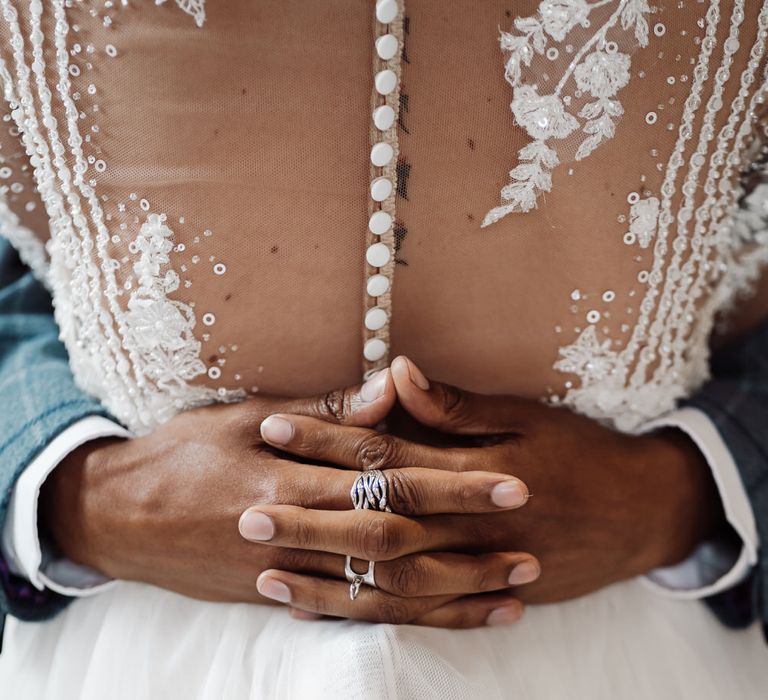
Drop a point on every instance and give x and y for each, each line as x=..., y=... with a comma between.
x=698, y=271
x=597, y=71
x=133, y=344
x=138, y=360
x=196, y=8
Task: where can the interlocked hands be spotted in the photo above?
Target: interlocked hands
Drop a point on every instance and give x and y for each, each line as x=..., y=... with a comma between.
x=164, y=508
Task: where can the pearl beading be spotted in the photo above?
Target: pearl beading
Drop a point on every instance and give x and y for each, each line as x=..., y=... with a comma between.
x=380, y=238
x=131, y=342
x=114, y=352
x=699, y=262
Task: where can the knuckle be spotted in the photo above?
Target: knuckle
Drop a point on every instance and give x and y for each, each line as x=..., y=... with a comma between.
x=454, y=401
x=333, y=406
x=462, y=620
x=393, y=612
x=456, y=409
x=483, y=579
x=465, y=497
x=376, y=451
x=377, y=538
x=408, y=578
x=303, y=534
x=405, y=497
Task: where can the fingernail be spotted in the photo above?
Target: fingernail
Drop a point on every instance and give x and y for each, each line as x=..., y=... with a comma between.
x=297, y=614
x=374, y=387
x=276, y=430
x=257, y=526
x=508, y=494
x=505, y=616
x=524, y=573
x=417, y=377
x=273, y=589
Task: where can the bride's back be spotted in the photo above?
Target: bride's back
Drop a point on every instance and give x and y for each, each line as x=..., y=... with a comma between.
x=206, y=177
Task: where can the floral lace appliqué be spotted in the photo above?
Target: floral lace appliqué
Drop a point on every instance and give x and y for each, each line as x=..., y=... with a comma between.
x=598, y=71
x=161, y=328
x=751, y=222
x=643, y=219
x=603, y=391
x=195, y=8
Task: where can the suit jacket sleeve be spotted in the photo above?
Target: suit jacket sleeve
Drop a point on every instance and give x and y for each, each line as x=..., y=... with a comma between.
x=736, y=399
x=39, y=400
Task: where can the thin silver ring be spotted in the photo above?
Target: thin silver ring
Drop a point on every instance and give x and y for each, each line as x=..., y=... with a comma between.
x=356, y=580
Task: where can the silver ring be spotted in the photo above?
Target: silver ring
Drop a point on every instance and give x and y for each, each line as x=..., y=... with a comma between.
x=356, y=580
x=371, y=491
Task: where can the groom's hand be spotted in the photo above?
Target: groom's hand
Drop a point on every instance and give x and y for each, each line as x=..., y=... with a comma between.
x=164, y=509
x=605, y=506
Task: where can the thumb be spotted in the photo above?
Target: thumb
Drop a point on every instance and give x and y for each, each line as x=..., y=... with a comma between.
x=453, y=410
x=363, y=405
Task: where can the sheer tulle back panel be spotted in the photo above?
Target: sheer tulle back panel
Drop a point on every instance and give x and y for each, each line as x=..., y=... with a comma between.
x=206, y=190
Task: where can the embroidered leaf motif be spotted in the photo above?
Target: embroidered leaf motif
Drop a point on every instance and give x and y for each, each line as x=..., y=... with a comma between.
x=195, y=8
x=601, y=128
x=533, y=175
x=590, y=358
x=560, y=16
x=597, y=69
x=634, y=14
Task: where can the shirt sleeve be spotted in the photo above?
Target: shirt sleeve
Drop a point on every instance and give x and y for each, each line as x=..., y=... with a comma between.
x=22, y=548
x=725, y=561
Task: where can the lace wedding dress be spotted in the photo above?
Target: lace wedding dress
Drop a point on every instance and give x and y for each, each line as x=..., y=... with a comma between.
x=275, y=195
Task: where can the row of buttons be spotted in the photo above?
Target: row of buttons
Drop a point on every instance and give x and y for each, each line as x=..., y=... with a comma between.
x=382, y=187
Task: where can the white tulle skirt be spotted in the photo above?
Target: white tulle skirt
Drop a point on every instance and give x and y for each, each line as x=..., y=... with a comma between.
x=143, y=643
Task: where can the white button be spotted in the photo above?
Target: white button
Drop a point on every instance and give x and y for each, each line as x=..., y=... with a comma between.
x=381, y=188
x=384, y=117
x=377, y=285
x=386, y=46
x=381, y=154
x=380, y=222
x=374, y=349
x=386, y=81
x=375, y=319
x=377, y=255
x=386, y=10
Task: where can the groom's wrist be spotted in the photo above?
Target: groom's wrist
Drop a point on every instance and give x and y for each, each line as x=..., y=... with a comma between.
x=693, y=510
x=72, y=503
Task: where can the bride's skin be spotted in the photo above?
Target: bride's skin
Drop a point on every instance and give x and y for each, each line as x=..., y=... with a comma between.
x=164, y=509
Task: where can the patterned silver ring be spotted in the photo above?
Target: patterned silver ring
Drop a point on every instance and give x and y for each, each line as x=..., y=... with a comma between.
x=371, y=491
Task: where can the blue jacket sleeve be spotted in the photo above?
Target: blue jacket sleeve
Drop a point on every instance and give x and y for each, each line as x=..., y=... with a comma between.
x=39, y=400
x=736, y=400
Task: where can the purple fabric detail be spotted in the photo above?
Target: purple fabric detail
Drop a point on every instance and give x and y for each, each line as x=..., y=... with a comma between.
x=20, y=590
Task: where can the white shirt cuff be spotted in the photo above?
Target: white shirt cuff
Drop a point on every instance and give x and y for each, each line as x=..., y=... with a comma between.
x=20, y=542
x=719, y=564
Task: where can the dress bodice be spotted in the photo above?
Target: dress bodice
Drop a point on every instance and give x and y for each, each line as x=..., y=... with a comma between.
x=278, y=196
